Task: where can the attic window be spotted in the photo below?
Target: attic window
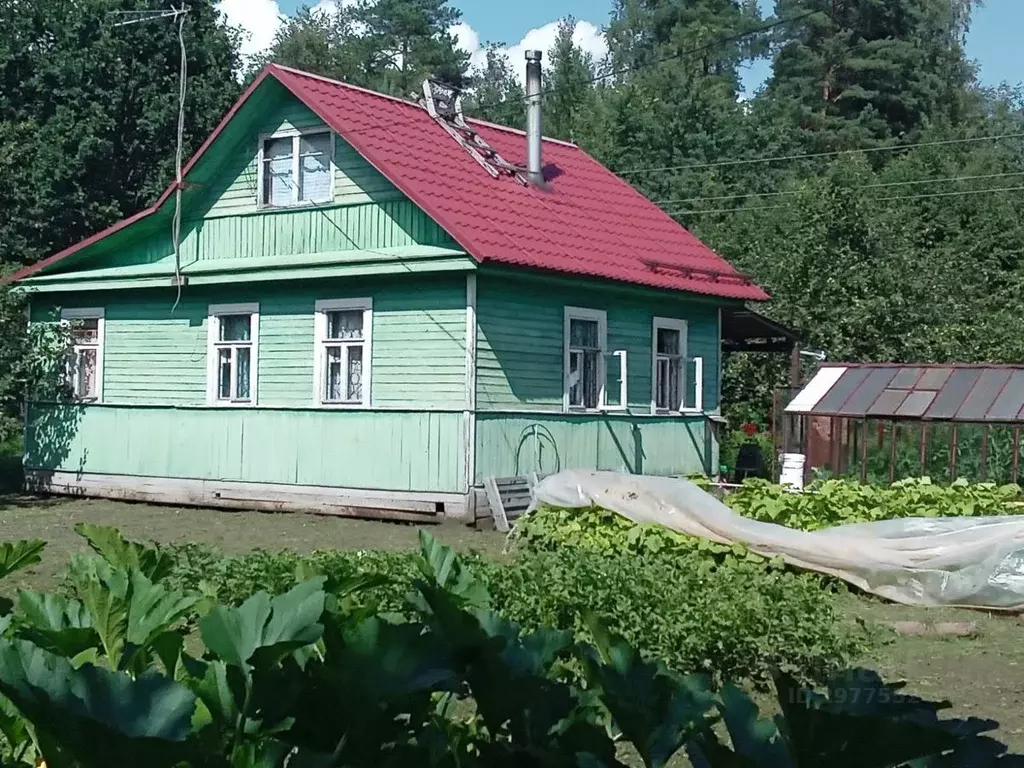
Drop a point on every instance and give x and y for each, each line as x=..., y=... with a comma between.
x=296, y=168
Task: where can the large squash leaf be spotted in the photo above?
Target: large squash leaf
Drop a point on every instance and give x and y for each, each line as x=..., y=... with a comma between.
x=441, y=565
x=55, y=623
x=264, y=627
x=655, y=709
x=108, y=543
x=154, y=609
x=100, y=717
x=15, y=555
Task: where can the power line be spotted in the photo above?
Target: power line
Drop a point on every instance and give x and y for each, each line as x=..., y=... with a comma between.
x=865, y=186
x=947, y=194
x=869, y=200
x=693, y=51
x=605, y=75
x=781, y=158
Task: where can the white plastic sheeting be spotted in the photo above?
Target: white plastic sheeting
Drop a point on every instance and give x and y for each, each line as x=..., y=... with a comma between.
x=977, y=562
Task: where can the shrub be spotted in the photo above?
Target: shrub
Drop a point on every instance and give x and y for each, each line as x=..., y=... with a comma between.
x=732, y=621
x=735, y=620
x=837, y=502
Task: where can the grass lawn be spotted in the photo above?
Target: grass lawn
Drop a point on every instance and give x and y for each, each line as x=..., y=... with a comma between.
x=982, y=675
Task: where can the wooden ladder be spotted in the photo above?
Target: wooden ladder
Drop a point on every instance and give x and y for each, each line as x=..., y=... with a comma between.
x=509, y=498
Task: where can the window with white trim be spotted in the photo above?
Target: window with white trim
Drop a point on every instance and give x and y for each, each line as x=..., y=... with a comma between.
x=85, y=362
x=677, y=381
x=232, y=354
x=586, y=341
x=296, y=167
x=343, y=351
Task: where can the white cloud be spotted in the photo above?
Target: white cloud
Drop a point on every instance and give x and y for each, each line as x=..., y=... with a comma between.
x=587, y=36
x=467, y=39
x=259, y=18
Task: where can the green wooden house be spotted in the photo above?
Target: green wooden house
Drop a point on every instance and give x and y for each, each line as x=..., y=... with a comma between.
x=374, y=304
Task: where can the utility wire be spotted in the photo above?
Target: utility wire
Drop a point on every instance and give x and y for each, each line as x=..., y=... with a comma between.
x=869, y=200
x=605, y=75
x=865, y=186
x=182, y=91
x=781, y=158
x=694, y=51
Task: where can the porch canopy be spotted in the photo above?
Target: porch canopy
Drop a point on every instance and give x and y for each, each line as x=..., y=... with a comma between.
x=744, y=330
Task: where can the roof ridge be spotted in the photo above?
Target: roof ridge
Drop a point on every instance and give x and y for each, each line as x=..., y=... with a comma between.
x=343, y=84
x=411, y=103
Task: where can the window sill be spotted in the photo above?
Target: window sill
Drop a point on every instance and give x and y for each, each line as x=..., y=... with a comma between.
x=303, y=205
x=227, y=404
x=342, y=406
x=682, y=412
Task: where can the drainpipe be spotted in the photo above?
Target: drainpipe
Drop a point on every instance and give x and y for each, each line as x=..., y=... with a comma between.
x=534, y=122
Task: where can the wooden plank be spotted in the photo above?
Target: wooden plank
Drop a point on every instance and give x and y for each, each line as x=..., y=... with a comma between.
x=497, y=509
x=407, y=507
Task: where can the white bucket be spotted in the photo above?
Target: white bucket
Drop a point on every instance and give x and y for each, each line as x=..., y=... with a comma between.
x=793, y=470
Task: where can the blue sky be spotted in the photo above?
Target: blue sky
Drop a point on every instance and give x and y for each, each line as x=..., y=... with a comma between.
x=518, y=24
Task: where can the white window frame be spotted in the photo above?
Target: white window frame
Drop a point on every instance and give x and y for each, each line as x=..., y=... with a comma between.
x=621, y=355
x=214, y=313
x=295, y=134
x=583, y=313
x=67, y=316
x=323, y=307
x=674, y=324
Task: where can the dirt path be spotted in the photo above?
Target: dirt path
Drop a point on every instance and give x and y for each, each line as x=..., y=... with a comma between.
x=982, y=675
x=232, y=532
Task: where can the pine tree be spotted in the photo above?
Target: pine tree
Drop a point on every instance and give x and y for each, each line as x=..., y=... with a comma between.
x=317, y=41
x=495, y=94
x=863, y=71
x=569, y=96
x=406, y=41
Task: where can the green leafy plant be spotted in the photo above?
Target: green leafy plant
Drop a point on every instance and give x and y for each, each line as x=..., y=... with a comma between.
x=824, y=504
x=731, y=620
x=298, y=679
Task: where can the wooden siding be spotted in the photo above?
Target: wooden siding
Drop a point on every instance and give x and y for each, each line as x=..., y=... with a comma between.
x=520, y=341
x=154, y=356
x=424, y=451
x=393, y=224
x=509, y=445
x=355, y=180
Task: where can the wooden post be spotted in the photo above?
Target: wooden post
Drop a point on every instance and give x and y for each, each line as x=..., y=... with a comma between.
x=775, y=442
x=893, y=433
x=835, y=445
x=1016, y=454
x=808, y=422
x=794, y=367
x=864, y=453
x=952, y=454
x=983, y=469
x=924, y=448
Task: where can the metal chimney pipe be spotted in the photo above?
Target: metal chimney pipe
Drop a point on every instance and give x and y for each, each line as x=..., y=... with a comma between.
x=534, y=121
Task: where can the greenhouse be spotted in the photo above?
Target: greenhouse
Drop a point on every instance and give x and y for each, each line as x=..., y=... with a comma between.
x=886, y=422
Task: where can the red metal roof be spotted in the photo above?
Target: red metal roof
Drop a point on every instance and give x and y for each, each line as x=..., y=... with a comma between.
x=587, y=222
